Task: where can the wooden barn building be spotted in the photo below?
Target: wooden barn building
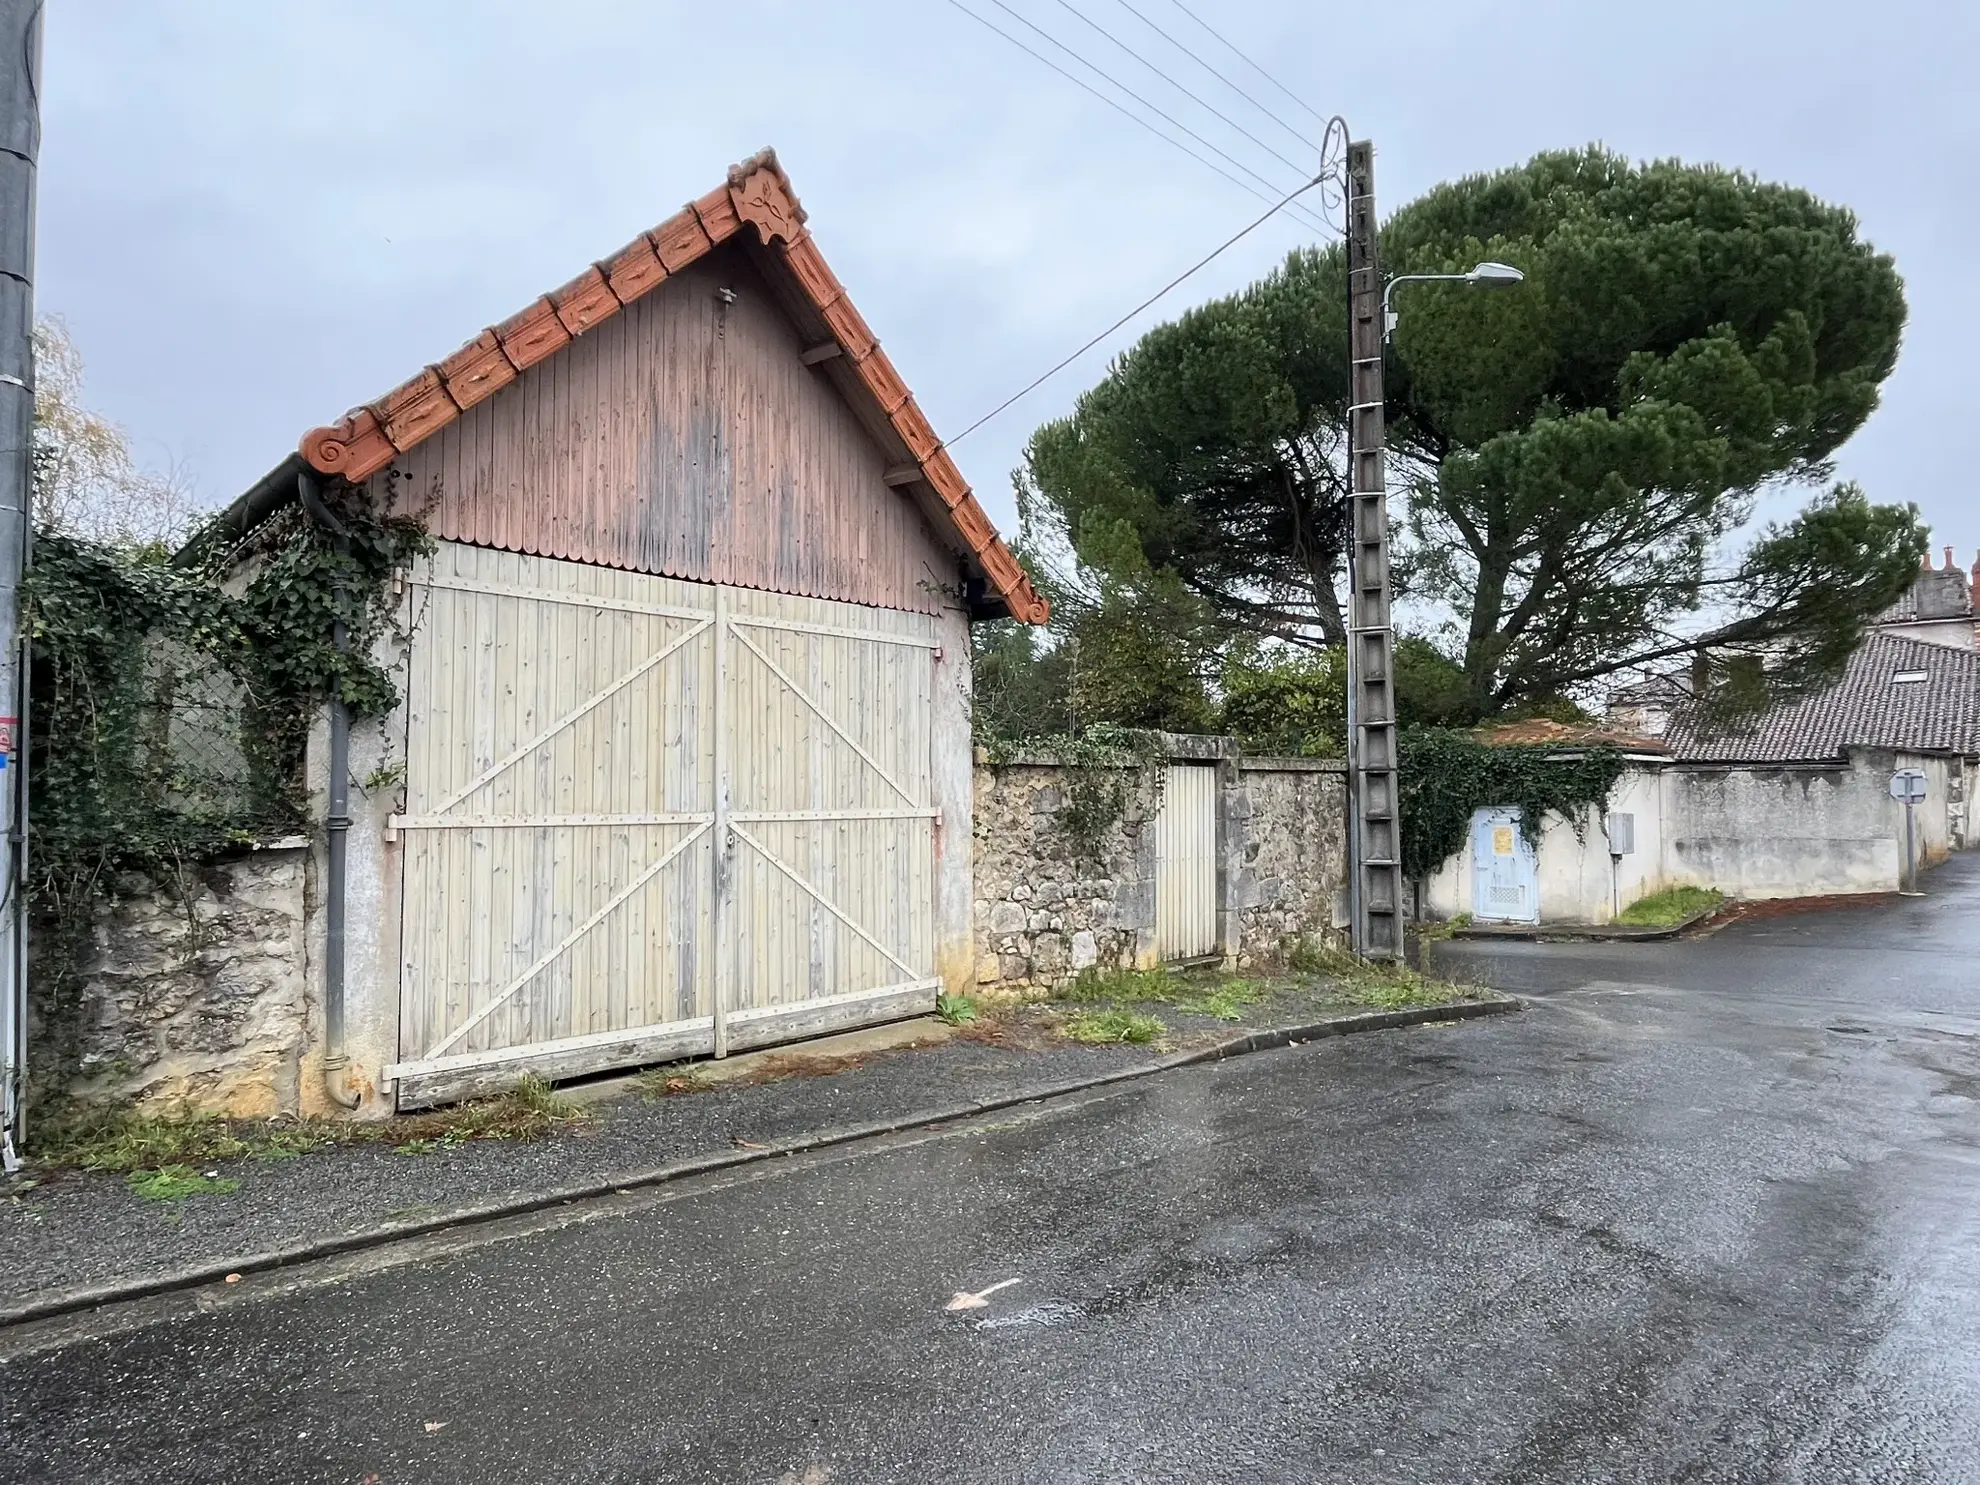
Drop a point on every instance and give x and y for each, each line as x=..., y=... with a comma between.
x=683, y=763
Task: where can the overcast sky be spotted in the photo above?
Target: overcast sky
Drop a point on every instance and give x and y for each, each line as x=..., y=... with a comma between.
x=255, y=215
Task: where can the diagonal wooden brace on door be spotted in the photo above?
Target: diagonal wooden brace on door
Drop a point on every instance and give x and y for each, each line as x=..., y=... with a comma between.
x=494, y=770
x=821, y=899
x=501, y=996
x=818, y=711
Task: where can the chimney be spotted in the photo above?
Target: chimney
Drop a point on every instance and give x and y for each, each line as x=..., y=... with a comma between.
x=1976, y=573
x=1949, y=560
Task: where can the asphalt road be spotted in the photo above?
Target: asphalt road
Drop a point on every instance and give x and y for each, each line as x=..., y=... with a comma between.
x=1710, y=1211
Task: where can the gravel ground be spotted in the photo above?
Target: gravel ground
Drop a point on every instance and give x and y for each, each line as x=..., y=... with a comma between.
x=81, y=1230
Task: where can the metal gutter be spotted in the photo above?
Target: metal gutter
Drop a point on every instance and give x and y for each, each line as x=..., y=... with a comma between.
x=262, y=499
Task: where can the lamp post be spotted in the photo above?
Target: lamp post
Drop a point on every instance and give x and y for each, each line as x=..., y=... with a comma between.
x=1485, y=276
x=1374, y=827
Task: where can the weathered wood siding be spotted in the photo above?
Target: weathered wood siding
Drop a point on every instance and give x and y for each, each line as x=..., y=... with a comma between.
x=683, y=437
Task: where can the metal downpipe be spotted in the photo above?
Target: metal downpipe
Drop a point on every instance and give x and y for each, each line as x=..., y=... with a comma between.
x=336, y=830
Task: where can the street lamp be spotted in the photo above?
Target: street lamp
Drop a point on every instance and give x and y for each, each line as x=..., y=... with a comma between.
x=1374, y=829
x=1484, y=276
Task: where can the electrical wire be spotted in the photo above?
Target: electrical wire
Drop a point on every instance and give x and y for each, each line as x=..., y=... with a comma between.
x=1229, y=47
x=1124, y=112
x=1067, y=5
x=1100, y=72
x=1187, y=273
x=1169, y=37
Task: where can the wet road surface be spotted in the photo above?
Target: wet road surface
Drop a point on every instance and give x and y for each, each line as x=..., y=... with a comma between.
x=1709, y=1211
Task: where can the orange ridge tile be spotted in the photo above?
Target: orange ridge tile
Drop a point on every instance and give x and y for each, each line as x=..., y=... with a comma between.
x=585, y=301
x=633, y=269
x=916, y=431
x=415, y=408
x=477, y=371
x=717, y=214
x=680, y=239
x=533, y=334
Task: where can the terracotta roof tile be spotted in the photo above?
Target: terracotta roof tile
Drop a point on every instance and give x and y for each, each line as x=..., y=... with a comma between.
x=758, y=195
x=1546, y=732
x=717, y=213
x=530, y=336
x=633, y=269
x=585, y=301
x=681, y=239
x=477, y=370
x=416, y=408
x=849, y=328
x=885, y=383
x=916, y=431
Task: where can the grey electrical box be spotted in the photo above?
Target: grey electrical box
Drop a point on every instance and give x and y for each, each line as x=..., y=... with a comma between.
x=1622, y=834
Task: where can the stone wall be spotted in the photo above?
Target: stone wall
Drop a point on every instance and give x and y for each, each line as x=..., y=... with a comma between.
x=190, y=998
x=1283, y=840
x=1047, y=907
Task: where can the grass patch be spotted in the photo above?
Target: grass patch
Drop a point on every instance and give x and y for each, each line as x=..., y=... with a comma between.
x=1672, y=905
x=670, y=1080
x=1384, y=986
x=125, y=1142
x=957, y=1010
x=527, y=1111
x=1434, y=933
x=1094, y=985
x=176, y=1183
x=1220, y=999
x=119, y=1140
x=1109, y=1028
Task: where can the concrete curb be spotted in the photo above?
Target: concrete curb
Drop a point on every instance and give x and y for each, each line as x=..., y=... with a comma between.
x=1574, y=933
x=74, y=1301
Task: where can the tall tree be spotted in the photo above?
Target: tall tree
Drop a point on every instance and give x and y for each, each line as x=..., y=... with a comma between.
x=1576, y=462
x=87, y=482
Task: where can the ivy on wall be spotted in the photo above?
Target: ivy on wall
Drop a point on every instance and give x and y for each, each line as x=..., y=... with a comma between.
x=1447, y=776
x=172, y=706
x=1109, y=770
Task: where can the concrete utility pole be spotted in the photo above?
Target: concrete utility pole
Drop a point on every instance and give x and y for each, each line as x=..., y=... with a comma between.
x=1374, y=829
x=20, y=147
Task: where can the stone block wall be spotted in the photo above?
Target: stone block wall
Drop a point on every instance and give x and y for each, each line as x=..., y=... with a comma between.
x=189, y=997
x=1046, y=907
x=1283, y=838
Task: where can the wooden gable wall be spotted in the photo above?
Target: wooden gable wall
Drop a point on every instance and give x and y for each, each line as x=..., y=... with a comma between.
x=683, y=436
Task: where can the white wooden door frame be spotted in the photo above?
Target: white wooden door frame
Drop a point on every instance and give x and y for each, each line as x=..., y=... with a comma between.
x=438, y=1072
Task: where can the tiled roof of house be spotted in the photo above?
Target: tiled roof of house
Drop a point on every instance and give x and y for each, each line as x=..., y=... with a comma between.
x=1544, y=731
x=1936, y=709
x=756, y=195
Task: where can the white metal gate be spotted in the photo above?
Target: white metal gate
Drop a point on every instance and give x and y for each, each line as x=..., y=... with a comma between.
x=648, y=818
x=1186, y=862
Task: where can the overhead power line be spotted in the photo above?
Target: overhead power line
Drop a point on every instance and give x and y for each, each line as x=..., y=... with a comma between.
x=1168, y=36
x=1205, y=261
x=1268, y=186
x=1232, y=49
x=1195, y=98
x=1124, y=112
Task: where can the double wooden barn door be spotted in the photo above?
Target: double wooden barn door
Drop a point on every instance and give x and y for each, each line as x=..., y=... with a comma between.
x=648, y=818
